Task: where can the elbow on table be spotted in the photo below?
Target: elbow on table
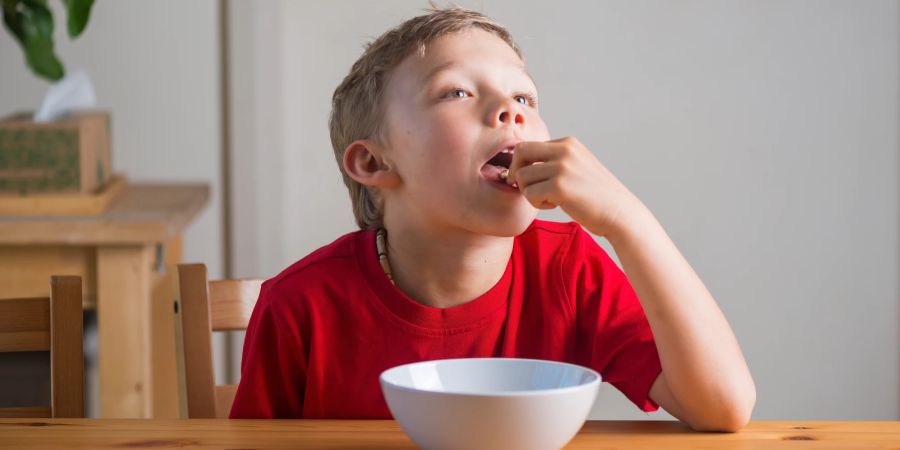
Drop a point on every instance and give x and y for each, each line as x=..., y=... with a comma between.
x=724, y=424
x=731, y=418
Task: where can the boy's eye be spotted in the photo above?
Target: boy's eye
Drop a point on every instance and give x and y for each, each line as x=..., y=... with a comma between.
x=526, y=99
x=458, y=93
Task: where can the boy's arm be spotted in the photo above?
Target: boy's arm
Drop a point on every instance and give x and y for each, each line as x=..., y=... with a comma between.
x=705, y=381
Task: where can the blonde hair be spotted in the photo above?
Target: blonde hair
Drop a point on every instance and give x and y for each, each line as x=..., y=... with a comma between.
x=356, y=106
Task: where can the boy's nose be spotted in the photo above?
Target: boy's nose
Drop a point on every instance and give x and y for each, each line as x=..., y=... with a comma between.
x=508, y=113
x=512, y=116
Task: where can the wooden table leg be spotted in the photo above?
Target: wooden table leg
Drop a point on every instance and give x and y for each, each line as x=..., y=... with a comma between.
x=123, y=315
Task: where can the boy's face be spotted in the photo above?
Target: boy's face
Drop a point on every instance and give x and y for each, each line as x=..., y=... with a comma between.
x=448, y=113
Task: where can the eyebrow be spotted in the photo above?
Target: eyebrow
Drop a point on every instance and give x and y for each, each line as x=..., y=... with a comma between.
x=436, y=70
x=450, y=64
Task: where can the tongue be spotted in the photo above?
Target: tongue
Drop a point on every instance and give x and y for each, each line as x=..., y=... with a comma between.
x=491, y=172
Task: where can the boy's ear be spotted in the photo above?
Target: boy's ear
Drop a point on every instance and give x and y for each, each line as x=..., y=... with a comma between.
x=364, y=162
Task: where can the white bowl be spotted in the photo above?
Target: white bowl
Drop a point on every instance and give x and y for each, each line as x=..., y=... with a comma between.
x=490, y=403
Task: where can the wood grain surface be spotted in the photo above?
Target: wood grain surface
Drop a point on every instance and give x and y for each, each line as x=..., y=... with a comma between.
x=142, y=213
x=386, y=434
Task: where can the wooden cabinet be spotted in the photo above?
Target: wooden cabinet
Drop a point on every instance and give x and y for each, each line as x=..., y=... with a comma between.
x=126, y=258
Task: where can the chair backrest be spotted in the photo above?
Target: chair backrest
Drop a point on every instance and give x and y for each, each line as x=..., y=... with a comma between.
x=51, y=324
x=203, y=307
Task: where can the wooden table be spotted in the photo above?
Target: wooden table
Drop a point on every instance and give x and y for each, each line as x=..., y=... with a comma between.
x=386, y=434
x=125, y=258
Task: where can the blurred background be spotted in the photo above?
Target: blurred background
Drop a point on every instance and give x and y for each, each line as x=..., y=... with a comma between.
x=764, y=136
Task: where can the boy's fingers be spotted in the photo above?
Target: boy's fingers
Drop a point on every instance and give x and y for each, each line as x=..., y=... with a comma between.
x=528, y=153
x=541, y=195
x=534, y=173
x=539, y=184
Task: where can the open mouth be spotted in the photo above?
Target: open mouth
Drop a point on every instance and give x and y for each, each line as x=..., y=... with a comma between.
x=495, y=168
x=503, y=159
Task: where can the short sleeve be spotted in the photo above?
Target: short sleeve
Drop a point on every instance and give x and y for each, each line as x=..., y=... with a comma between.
x=614, y=337
x=273, y=366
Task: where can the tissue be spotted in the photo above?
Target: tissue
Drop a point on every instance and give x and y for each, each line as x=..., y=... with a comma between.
x=73, y=92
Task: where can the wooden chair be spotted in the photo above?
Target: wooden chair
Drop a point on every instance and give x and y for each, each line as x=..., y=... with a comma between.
x=51, y=324
x=204, y=307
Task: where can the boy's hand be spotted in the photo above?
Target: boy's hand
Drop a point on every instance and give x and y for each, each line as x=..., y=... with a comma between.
x=705, y=381
x=564, y=173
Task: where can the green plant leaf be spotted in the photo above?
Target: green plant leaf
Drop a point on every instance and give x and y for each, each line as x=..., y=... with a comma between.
x=13, y=20
x=31, y=23
x=79, y=11
x=37, y=27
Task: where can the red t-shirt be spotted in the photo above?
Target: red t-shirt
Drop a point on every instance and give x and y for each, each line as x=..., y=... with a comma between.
x=326, y=327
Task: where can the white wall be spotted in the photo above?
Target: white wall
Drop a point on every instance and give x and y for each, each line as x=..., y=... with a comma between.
x=258, y=129
x=155, y=66
x=764, y=135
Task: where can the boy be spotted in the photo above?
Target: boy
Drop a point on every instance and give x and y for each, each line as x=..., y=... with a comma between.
x=438, y=137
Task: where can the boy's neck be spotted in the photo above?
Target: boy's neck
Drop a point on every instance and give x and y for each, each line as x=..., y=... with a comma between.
x=444, y=270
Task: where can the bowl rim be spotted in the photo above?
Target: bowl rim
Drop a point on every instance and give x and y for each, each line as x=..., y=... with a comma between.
x=531, y=392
